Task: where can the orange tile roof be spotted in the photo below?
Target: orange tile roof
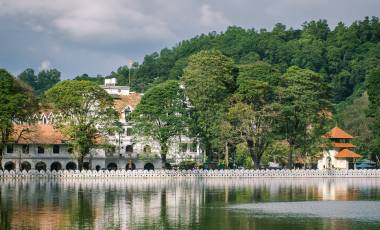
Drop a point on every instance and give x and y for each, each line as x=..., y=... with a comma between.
x=132, y=100
x=37, y=134
x=337, y=133
x=299, y=161
x=344, y=145
x=44, y=134
x=345, y=153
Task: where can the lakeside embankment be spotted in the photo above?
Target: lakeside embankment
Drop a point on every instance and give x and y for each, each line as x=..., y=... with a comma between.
x=297, y=173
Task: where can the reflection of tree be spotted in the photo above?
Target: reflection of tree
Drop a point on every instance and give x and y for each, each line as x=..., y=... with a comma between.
x=5, y=212
x=153, y=203
x=81, y=210
x=164, y=221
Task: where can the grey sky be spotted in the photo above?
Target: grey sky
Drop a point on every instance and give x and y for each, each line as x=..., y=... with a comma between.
x=97, y=36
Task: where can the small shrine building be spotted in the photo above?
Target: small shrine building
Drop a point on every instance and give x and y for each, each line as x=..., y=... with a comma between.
x=341, y=154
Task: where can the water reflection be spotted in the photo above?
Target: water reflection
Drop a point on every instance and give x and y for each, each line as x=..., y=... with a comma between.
x=171, y=203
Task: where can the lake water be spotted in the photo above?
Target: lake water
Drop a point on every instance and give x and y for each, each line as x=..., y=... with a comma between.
x=212, y=203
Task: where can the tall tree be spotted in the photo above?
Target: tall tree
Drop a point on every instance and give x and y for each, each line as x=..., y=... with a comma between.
x=28, y=76
x=17, y=103
x=208, y=83
x=47, y=79
x=162, y=115
x=87, y=115
x=304, y=101
x=255, y=127
x=373, y=86
x=253, y=116
x=41, y=82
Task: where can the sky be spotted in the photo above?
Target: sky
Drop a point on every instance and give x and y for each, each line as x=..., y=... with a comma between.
x=98, y=36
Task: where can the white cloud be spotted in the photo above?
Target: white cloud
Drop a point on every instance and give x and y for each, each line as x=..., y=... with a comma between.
x=211, y=18
x=96, y=36
x=108, y=21
x=45, y=65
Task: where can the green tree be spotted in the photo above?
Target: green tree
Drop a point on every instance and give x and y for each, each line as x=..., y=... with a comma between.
x=208, y=83
x=86, y=115
x=85, y=77
x=243, y=157
x=342, y=86
x=255, y=128
x=47, y=79
x=276, y=152
x=304, y=102
x=373, y=86
x=253, y=115
x=161, y=115
x=352, y=116
x=28, y=76
x=17, y=103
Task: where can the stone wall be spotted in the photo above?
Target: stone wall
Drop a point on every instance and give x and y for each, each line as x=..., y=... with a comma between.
x=193, y=173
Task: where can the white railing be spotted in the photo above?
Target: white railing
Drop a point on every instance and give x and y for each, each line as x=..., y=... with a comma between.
x=193, y=173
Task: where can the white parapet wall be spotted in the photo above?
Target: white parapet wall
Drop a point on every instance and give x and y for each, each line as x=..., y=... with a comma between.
x=194, y=173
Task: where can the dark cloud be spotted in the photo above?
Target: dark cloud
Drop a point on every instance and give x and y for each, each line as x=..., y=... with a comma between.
x=97, y=36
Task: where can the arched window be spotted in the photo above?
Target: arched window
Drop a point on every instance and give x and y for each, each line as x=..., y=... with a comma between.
x=127, y=111
x=55, y=166
x=71, y=166
x=129, y=149
x=112, y=166
x=44, y=120
x=148, y=166
x=25, y=166
x=9, y=166
x=147, y=149
x=130, y=166
x=40, y=166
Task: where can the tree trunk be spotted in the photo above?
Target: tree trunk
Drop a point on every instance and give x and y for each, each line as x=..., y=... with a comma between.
x=1, y=158
x=2, y=151
x=80, y=163
x=164, y=151
x=255, y=157
x=226, y=155
x=290, y=157
x=256, y=161
x=209, y=153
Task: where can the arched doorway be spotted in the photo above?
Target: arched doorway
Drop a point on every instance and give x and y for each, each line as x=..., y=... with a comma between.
x=97, y=168
x=168, y=165
x=9, y=166
x=130, y=166
x=148, y=166
x=40, y=166
x=55, y=166
x=328, y=162
x=112, y=166
x=25, y=166
x=71, y=166
x=86, y=165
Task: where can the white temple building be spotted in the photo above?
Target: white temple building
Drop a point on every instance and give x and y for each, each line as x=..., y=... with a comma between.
x=40, y=146
x=340, y=154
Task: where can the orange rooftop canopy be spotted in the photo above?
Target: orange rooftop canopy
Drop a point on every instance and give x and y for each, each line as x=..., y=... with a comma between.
x=337, y=133
x=345, y=153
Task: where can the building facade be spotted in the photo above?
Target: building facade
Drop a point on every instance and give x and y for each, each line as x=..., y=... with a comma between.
x=41, y=146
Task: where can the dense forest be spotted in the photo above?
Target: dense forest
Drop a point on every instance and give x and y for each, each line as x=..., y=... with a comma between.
x=344, y=56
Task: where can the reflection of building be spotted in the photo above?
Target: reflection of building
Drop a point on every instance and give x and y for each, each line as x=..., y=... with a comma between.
x=340, y=156
x=159, y=203
x=42, y=147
